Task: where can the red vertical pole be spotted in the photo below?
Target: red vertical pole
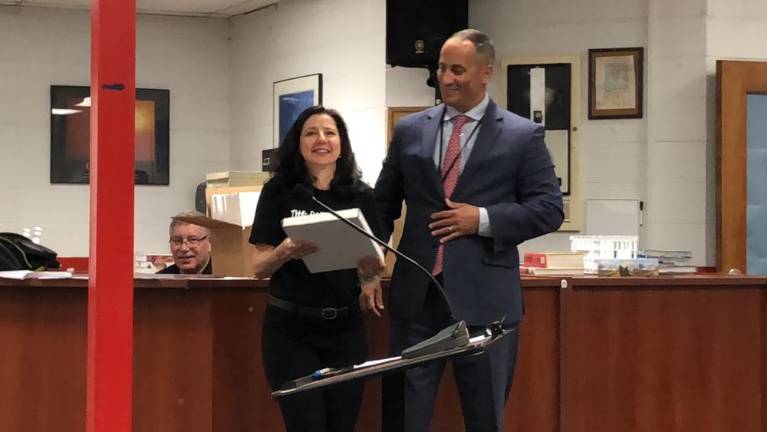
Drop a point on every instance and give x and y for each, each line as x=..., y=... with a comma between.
x=110, y=283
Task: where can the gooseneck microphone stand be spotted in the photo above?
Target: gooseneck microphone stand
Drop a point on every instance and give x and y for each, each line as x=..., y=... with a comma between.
x=452, y=341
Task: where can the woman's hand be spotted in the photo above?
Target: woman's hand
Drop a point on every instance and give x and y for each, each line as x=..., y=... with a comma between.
x=267, y=259
x=371, y=297
x=369, y=267
x=295, y=249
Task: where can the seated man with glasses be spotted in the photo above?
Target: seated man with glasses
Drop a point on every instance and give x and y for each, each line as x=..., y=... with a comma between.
x=190, y=246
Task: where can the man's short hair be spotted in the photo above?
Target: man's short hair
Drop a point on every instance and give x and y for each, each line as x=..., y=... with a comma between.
x=481, y=42
x=174, y=221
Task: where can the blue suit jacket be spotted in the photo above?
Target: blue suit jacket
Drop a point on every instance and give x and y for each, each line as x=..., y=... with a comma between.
x=509, y=172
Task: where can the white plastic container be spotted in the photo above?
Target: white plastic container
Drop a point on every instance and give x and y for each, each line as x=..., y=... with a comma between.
x=604, y=247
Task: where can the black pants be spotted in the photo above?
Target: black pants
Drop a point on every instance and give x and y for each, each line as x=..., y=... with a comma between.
x=294, y=346
x=483, y=381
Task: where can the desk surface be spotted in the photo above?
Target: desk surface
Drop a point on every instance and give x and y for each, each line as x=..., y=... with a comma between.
x=145, y=281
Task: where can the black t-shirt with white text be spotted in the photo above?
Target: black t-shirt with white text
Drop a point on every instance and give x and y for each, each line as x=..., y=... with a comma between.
x=293, y=281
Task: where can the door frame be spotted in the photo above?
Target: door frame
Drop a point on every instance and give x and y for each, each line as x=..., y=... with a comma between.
x=735, y=80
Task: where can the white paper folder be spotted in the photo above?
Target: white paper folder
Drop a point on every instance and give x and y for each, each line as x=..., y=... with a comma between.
x=340, y=246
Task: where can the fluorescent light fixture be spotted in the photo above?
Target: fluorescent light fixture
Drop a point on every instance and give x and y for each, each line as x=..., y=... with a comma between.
x=64, y=111
x=85, y=103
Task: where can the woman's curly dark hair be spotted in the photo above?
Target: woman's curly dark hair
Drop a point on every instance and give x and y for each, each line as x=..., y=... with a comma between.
x=292, y=167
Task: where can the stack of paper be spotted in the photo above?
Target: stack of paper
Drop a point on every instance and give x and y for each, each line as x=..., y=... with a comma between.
x=672, y=262
x=28, y=274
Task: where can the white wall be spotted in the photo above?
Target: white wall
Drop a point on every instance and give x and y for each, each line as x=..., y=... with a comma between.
x=406, y=87
x=344, y=40
x=736, y=29
x=676, y=166
x=40, y=47
x=666, y=159
x=220, y=74
x=525, y=28
x=611, y=151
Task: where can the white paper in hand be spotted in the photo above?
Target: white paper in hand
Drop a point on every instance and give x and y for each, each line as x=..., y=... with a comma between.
x=340, y=246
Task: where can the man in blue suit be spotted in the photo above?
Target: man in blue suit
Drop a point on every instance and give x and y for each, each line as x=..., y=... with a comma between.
x=477, y=181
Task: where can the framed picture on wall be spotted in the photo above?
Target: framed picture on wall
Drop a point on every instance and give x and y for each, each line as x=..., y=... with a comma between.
x=70, y=135
x=615, y=83
x=291, y=97
x=544, y=89
x=542, y=93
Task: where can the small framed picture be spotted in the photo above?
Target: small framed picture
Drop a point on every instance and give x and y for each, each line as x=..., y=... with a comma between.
x=291, y=97
x=615, y=83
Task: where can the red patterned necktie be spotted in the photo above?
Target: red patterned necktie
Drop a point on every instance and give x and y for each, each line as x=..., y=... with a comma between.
x=451, y=169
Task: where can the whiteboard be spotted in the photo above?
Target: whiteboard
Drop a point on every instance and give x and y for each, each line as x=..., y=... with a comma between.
x=612, y=217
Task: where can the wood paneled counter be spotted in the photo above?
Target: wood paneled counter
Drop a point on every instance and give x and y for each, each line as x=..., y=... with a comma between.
x=684, y=353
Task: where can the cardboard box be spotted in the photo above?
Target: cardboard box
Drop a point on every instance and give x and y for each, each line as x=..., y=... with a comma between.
x=231, y=251
x=209, y=192
x=236, y=178
x=237, y=208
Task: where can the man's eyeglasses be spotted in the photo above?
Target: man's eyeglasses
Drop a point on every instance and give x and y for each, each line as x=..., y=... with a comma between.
x=191, y=241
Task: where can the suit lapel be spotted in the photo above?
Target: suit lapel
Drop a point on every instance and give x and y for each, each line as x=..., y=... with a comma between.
x=488, y=134
x=428, y=143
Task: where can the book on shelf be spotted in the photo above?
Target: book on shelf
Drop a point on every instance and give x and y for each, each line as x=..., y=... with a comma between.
x=677, y=269
x=29, y=274
x=340, y=246
x=555, y=271
x=666, y=255
x=672, y=262
x=554, y=259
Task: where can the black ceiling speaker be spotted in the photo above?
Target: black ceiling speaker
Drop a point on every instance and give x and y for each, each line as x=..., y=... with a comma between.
x=416, y=29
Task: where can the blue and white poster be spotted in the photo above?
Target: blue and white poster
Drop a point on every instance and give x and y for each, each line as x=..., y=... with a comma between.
x=291, y=105
x=291, y=97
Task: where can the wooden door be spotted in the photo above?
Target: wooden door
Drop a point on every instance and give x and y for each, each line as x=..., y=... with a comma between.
x=735, y=80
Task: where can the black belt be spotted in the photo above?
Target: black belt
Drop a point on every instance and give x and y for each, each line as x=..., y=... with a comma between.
x=328, y=313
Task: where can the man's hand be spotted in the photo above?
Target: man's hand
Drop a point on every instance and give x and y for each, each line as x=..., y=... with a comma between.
x=371, y=297
x=462, y=219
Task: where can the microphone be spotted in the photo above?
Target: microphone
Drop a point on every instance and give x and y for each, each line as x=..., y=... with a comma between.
x=302, y=192
x=452, y=337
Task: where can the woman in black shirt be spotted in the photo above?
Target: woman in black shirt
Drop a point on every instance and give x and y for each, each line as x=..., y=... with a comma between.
x=313, y=320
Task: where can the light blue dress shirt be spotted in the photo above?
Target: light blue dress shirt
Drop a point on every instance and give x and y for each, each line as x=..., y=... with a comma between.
x=469, y=134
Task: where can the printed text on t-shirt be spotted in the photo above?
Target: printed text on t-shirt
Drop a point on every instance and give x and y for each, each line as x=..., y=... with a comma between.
x=296, y=212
